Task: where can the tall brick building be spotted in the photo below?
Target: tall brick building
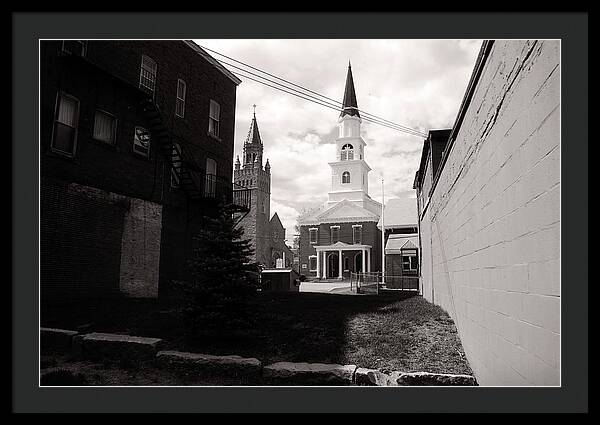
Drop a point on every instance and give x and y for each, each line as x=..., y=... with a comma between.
x=136, y=146
x=266, y=233
x=489, y=215
x=342, y=235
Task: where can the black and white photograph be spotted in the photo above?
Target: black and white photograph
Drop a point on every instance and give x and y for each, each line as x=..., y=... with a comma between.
x=286, y=212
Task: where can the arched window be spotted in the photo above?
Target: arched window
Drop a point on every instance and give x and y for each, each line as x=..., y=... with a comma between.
x=347, y=152
x=346, y=177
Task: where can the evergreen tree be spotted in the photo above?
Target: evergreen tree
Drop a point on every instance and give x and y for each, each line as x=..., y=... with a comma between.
x=223, y=278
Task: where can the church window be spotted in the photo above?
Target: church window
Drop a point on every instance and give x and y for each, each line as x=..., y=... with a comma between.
x=335, y=234
x=347, y=152
x=312, y=261
x=313, y=233
x=346, y=177
x=357, y=234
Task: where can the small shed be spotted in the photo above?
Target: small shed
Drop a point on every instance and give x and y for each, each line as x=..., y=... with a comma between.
x=280, y=280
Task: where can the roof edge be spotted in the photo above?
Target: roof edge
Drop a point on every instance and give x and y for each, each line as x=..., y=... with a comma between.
x=213, y=61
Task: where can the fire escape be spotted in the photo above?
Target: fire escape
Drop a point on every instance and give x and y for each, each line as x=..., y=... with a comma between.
x=191, y=177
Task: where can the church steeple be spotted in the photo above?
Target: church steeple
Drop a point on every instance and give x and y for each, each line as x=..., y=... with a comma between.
x=349, y=104
x=253, y=146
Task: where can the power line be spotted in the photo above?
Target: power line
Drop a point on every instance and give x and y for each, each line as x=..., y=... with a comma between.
x=320, y=102
x=304, y=88
x=336, y=104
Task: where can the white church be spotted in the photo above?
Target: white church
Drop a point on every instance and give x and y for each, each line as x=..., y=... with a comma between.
x=341, y=236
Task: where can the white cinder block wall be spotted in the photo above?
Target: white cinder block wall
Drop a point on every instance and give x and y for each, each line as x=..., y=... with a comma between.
x=491, y=232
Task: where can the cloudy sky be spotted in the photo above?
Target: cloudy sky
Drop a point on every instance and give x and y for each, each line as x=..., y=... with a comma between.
x=417, y=83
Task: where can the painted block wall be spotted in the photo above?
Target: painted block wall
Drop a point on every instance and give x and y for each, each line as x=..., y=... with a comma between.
x=491, y=233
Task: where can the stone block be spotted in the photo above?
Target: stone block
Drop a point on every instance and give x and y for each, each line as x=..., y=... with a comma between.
x=124, y=347
x=309, y=373
x=370, y=377
x=430, y=379
x=209, y=364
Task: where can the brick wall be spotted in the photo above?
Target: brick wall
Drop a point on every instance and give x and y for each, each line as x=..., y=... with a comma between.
x=370, y=236
x=107, y=79
x=491, y=233
x=80, y=243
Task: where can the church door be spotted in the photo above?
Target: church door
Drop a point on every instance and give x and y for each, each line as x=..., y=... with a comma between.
x=333, y=266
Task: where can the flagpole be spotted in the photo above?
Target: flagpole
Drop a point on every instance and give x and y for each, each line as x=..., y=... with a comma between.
x=382, y=234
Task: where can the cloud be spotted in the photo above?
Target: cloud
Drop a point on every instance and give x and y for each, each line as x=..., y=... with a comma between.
x=417, y=83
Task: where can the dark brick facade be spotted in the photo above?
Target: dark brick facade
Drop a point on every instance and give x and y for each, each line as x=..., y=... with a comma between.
x=81, y=235
x=370, y=236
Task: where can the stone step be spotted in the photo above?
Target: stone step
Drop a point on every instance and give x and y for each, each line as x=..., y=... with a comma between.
x=309, y=373
x=209, y=364
x=374, y=377
x=104, y=345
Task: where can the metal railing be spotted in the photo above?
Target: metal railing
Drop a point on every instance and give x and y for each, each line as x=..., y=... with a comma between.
x=365, y=283
x=371, y=283
x=403, y=283
x=220, y=189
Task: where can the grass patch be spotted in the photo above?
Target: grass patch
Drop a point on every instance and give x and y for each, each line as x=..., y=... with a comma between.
x=390, y=332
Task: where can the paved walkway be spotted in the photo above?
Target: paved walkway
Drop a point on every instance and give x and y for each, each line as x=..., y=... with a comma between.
x=336, y=287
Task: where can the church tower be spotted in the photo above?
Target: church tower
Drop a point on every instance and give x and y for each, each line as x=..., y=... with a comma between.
x=350, y=171
x=251, y=174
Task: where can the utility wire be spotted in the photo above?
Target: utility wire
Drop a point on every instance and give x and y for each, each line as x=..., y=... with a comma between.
x=336, y=104
x=323, y=103
x=304, y=88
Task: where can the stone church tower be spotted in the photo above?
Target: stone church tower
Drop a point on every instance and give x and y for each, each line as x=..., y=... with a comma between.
x=251, y=174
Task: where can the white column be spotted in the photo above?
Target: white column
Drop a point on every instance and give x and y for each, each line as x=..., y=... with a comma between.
x=369, y=261
x=324, y=264
x=318, y=264
x=340, y=275
x=364, y=260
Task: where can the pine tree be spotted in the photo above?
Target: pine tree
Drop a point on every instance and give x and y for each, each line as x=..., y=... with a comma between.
x=224, y=280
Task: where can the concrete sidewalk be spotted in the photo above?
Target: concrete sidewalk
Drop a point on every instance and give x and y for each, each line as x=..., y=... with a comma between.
x=338, y=287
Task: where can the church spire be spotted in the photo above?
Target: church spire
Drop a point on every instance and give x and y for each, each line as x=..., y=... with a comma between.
x=253, y=134
x=350, y=105
x=253, y=146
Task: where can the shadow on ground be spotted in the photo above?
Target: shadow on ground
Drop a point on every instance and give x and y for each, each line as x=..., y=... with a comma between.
x=391, y=332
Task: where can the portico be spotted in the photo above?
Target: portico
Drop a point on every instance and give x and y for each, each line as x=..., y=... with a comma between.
x=333, y=259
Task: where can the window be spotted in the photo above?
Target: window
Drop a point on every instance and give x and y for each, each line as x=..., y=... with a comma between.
x=141, y=141
x=213, y=118
x=180, y=101
x=409, y=262
x=66, y=117
x=148, y=74
x=347, y=152
x=75, y=47
x=313, y=233
x=210, y=188
x=345, y=177
x=175, y=165
x=312, y=262
x=335, y=234
x=357, y=234
x=105, y=127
